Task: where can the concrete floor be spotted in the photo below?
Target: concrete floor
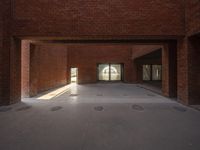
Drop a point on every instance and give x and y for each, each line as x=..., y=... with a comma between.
x=155, y=86
x=99, y=117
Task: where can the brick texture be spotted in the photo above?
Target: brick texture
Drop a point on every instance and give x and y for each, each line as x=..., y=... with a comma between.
x=48, y=66
x=6, y=52
x=86, y=57
x=182, y=71
x=98, y=18
x=188, y=56
x=169, y=70
x=192, y=17
x=25, y=62
x=188, y=70
x=194, y=70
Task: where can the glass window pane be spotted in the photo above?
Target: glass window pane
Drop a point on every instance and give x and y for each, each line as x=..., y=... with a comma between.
x=104, y=72
x=156, y=72
x=146, y=72
x=115, y=72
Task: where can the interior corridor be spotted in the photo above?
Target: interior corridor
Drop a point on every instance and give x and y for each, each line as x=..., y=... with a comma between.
x=99, y=116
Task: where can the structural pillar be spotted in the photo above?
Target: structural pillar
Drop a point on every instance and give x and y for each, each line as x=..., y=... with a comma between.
x=169, y=69
x=182, y=72
x=10, y=62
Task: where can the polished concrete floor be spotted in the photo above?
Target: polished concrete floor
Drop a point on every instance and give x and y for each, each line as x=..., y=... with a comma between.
x=99, y=117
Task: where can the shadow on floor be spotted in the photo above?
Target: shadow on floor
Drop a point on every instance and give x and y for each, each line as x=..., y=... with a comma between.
x=154, y=86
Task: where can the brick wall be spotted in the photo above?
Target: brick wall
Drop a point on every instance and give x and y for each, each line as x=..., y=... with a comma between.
x=194, y=70
x=136, y=18
x=192, y=16
x=25, y=62
x=7, y=51
x=86, y=57
x=169, y=70
x=189, y=70
x=98, y=18
x=190, y=54
x=48, y=66
x=182, y=70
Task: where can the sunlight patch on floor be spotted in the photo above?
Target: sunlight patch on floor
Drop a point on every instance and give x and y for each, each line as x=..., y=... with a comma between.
x=56, y=92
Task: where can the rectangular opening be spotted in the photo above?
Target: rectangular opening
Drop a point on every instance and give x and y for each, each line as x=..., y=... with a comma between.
x=156, y=72
x=152, y=72
x=110, y=72
x=74, y=75
x=146, y=72
x=104, y=72
x=115, y=72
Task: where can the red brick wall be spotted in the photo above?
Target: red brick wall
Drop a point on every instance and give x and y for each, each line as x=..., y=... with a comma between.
x=169, y=69
x=9, y=86
x=182, y=70
x=189, y=56
x=194, y=70
x=99, y=17
x=62, y=18
x=48, y=66
x=85, y=57
x=189, y=70
x=192, y=16
x=25, y=61
x=188, y=62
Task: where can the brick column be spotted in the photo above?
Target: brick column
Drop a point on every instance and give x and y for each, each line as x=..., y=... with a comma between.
x=194, y=70
x=15, y=71
x=169, y=70
x=139, y=73
x=182, y=65
x=165, y=70
x=25, y=61
x=33, y=83
x=11, y=71
x=10, y=80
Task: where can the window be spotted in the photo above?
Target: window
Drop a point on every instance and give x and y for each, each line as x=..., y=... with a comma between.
x=115, y=74
x=156, y=72
x=110, y=72
x=152, y=72
x=104, y=72
x=146, y=72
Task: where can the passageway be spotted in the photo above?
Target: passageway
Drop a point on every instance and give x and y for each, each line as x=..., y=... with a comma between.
x=92, y=61
x=99, y=75
x=99, y=116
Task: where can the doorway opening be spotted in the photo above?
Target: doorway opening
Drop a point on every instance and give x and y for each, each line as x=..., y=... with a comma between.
x=150, y=70
x=74, y=75
x=110, y=72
